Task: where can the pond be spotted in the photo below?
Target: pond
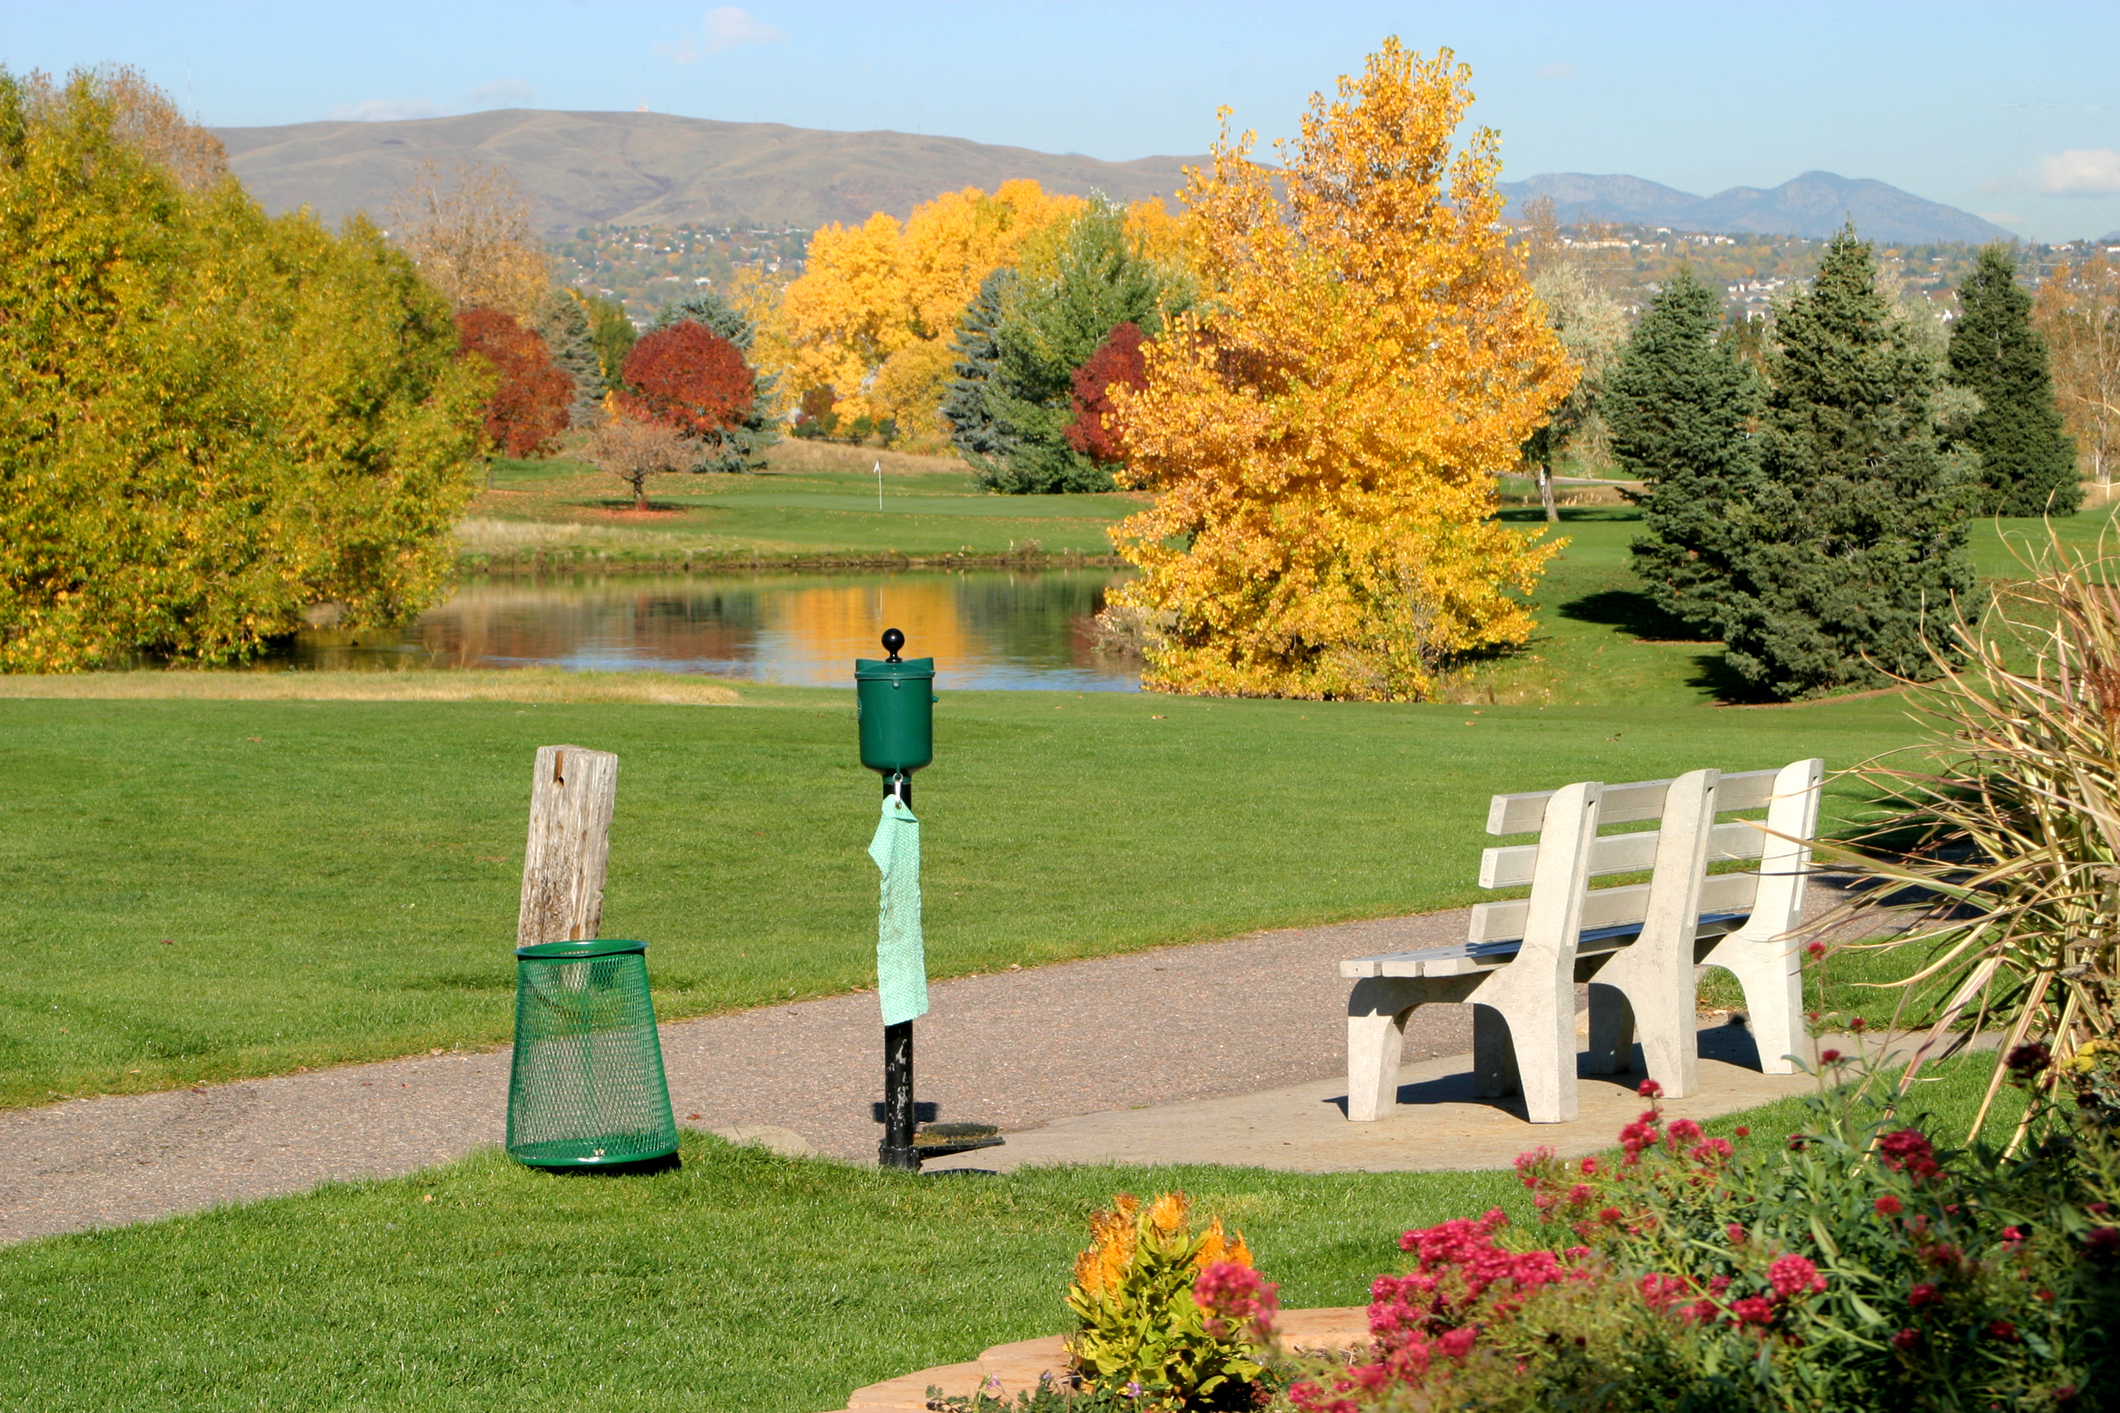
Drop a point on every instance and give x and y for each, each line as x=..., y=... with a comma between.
x=986, y=629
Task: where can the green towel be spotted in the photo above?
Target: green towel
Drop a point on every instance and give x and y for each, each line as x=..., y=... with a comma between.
x=901, y=959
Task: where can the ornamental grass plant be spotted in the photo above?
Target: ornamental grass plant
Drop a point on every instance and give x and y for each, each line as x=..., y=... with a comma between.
x=1998, y=846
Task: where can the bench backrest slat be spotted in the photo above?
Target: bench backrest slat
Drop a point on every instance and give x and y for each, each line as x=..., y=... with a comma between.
x=1510, y=866
x=1626, y=804
x=1612, y=907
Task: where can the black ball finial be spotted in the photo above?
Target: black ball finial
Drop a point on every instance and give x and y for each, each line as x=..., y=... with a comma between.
x=893, y=640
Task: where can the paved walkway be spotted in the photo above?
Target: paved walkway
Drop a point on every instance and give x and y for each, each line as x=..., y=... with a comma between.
x=1076, y=1059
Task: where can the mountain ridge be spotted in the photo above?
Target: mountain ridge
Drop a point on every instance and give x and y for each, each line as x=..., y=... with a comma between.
x=639, y=169
x=1814, y=204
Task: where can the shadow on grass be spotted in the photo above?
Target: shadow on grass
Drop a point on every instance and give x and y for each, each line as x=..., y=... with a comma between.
x=1632, y=611
x=1532, y=514
x=1638, y=615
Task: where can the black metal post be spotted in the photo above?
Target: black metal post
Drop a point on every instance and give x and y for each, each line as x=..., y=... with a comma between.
x=896, y=1150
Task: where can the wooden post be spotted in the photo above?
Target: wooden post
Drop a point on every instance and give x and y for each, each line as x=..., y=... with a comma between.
x=571, y=799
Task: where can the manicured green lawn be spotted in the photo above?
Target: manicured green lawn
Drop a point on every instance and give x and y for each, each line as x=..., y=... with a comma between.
x=743, y=1281
x=194, y=890
x=813, y=503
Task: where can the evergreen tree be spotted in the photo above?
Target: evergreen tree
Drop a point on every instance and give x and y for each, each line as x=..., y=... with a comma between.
x=1680, y=405
x=613, y=334
x=2028, y=461
x=1853, y=532
x=564, y=325
x=972, y=429
x=741, y=446
x=1063, y=305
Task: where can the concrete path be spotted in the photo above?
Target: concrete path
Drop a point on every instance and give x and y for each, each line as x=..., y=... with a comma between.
x=1018, y=1049
x=1439, y=1125
x=1227, y=1052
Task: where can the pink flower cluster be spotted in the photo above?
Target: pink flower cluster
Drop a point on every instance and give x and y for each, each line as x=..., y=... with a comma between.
x=1236, y=1297
x=1910, y=1151
x=1460, y=1280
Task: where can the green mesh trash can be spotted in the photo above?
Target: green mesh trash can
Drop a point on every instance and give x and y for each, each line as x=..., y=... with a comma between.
x=587, y=1087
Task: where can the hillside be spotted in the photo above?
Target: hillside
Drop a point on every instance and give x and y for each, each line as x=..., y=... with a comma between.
x=652, y=169
x=1814, y=205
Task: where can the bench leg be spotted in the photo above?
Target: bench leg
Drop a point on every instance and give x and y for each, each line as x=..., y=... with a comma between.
x=1377, y=1009
x=1611, y=1031
x=1494, y=1070
x=1773, y=987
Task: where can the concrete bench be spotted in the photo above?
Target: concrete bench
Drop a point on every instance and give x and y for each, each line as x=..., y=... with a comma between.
x=1636, y=945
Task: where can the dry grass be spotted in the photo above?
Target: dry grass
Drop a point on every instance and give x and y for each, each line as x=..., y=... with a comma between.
x=451, y=685
x=504, y=538
x=796, y=455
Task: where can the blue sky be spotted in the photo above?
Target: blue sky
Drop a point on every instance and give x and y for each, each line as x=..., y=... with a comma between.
x=2013, y=114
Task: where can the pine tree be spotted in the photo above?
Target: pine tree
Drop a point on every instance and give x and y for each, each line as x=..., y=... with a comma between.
x=1066, y=300
x=1680, y=406
x=2028, y=461
x=741, y=446
x=972, y=429
x=564, y=325
x=1852, y=536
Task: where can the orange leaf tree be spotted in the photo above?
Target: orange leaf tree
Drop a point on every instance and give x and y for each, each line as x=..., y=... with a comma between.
x=528, y=409
x=688, y=378
x=1322, y=433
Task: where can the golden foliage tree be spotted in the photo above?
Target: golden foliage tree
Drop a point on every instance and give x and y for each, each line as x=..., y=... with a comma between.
x=2078, y=311
x=211, y=420
x=1321, y=435
x=472, y=235
x=872, y=315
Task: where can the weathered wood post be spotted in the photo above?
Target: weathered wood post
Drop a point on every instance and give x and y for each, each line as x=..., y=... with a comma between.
x=572, y=796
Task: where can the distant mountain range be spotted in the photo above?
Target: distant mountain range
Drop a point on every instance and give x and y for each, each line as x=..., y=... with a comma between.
x=1815, y=204
x=639, y=169
x=651, y=169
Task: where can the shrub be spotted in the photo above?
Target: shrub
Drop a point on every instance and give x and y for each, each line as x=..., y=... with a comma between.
x=1144, y=1329
x=1855, y=1266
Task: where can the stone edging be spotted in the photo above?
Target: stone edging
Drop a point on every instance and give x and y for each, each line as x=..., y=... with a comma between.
x=1007, y=1369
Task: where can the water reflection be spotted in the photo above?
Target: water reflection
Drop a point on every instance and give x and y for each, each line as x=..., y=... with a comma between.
x=990, y=629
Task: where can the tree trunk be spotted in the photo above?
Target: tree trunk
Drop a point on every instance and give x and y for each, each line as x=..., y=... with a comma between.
x=1545, y=492
x=572, y=795
x=640, y=494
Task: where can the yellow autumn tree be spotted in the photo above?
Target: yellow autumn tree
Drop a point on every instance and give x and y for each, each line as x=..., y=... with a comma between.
x=1321, y=435
x=873, y=314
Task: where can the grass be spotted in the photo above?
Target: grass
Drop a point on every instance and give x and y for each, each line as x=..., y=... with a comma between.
x=816, y=504
x=742, y=1281
x=198, y=890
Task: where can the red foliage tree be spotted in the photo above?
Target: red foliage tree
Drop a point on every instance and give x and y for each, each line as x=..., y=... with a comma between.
x=529, y=403
x=1117, y=360
x=688, y=378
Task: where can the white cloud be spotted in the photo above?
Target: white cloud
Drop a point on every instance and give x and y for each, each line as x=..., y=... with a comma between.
x=388, y=110
x=728, y=27
x=2000, y=218
x=1556, y=71
x=2081, y=172
x=502, y=93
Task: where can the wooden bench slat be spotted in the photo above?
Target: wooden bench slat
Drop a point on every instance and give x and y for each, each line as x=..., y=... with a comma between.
x=1511, y=865
x=1611, y=907
x=1624, y=804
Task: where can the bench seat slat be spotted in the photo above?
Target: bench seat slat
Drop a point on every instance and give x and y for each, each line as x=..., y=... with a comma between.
x=1624, y=804
x=1467, y=957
